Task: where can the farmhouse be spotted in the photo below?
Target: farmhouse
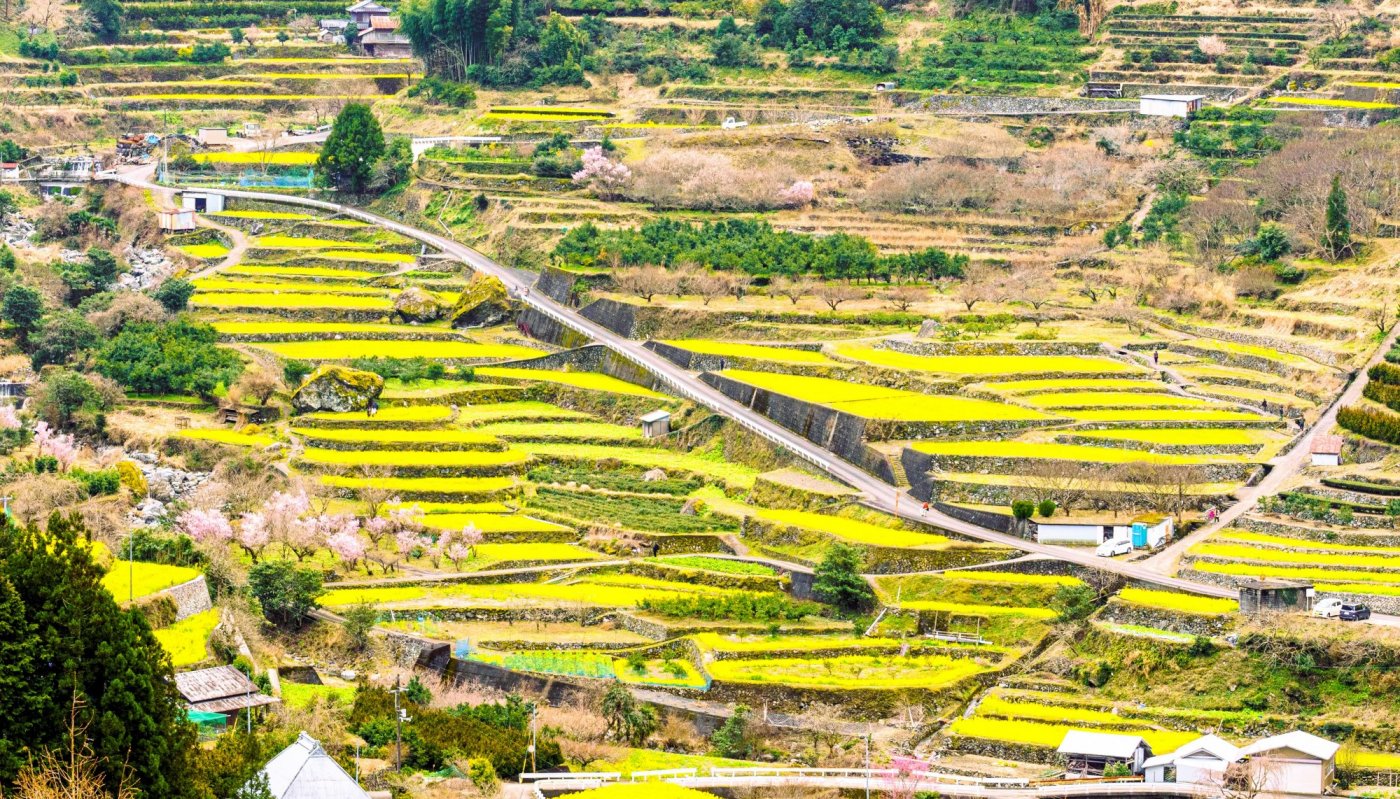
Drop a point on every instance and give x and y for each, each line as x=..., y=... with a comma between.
x=1169, y=105
x=1200, y=762
x=1326, y=451
x=382, y=39
x=221, y=689
x=1089, y=753
x=304, y=771
x=1295, y=762
x=364, y=12
x=1144, y=531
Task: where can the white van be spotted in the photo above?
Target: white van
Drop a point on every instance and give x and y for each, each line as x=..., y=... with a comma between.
x=1328, y=608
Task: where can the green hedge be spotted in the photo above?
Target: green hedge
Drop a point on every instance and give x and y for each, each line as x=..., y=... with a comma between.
x=1362, y=487
x=1371, y=423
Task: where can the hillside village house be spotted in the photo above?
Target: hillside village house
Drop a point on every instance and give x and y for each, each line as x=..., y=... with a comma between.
x=221, y=689
x=304, y=771
x=376, y=31
x=1087, y=754
x=1326, y=451
x=1296, y=762
x=1094, y=531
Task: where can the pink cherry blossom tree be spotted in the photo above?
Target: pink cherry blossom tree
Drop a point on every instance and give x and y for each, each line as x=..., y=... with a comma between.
x=799, y=194
x=61, y=447
x=604, y=175
x=349, y=546
x=9, y=418
x=253, y=535
x=205, y=526
x=436, y=548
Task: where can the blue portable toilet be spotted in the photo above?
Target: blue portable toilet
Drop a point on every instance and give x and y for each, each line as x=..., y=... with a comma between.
x=1139, y=535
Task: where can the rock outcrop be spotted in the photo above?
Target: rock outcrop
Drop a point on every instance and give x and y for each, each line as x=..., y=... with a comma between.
x=415, y=304
x=337, y=388
x=483, y=302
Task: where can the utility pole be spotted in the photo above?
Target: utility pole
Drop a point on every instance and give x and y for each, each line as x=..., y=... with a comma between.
x=398, y=726
x=534, y=711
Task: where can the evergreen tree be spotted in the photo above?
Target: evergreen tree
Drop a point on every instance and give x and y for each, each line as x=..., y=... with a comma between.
x=64, y=638
x=105, y=19
x=23, y=308
x=355, y=145
x=837, y=579
x=1336, y=236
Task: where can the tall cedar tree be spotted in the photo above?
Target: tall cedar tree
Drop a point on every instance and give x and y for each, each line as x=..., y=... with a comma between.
x=62, y=636
x=837, y=579
x=1336, y=237
x=355, y=145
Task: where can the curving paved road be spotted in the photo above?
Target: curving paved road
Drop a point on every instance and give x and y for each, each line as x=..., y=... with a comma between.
x=877, y=493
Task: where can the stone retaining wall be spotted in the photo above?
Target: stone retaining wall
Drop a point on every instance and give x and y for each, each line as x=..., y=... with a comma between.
x=1165, y=449
x=1380, y=603
x=190, y=597
x=1259, y=525
x=1309, y=351
x=1121, y=612
x=545, y=328
x=591, y=358
x=984, y=464
x=1018, y=106
x=922, y=347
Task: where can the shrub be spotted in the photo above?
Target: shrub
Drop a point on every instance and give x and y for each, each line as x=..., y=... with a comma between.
x=175, y=357
x=1371, y=423
x=1046, y=508
x=174, y=294
x=742, y=606
x=483, y=776
x=98, y=484
x=440, y=91
x=1022, y=509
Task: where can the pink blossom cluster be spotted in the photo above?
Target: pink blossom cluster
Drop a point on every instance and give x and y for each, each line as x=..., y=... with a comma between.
x=800, y=193
x=603, y=174
x=62, y=447
x=205, y=526
x=9, y=418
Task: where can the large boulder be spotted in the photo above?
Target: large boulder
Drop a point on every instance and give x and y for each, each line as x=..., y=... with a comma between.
x=484, y=302
x=337, y=388
x=418, y=305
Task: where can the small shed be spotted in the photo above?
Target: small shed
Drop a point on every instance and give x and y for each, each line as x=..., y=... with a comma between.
x=1294, y=762
x=1271, y=596
x=1089, y=753
x=1169, y=105
x=656, y=424
x=1326, y=451
x=9, y=172
x=221, y=689
x=175, y=220
x=202, y=202
x=887, y=86
x=304, y=771
x=211, y=136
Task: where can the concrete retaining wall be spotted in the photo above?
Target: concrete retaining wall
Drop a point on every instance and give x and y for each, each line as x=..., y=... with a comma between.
x=190, y=598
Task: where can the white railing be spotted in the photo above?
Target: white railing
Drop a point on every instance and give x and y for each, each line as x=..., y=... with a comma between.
x=538, y=777
x=663, y=774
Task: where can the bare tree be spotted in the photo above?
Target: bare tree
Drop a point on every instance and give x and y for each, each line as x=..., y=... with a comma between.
x=1382, y=314
x=645, y=282
x=902, y=298
x=980, y=283
x=794, y=288
x=739, y=285
x=709, y=286
x=74, y=774
x=834, y=293
x=1032, y=283
x=1249, y=779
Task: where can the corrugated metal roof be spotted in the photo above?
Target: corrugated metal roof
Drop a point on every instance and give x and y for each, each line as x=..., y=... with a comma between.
x=1101, y=744
x=1298, y=741
x=214, y=683
x=304, y=771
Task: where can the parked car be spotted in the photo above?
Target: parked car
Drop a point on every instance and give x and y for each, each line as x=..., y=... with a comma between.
x=1354, y=612
x=1328, y=608
x=1114, y=547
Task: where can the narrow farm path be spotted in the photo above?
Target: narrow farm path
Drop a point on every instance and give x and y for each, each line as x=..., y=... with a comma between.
x=1284, y=468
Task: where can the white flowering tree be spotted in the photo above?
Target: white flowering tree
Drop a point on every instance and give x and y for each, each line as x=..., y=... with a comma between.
x=602, y=174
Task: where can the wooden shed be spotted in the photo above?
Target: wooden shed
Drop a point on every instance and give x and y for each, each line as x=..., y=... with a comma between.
x=176, y=220
x=221, y=689
x=656, y=424
x=1264, y=596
